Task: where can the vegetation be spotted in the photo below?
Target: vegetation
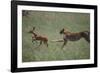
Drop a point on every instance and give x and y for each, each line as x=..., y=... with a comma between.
x=49, y=24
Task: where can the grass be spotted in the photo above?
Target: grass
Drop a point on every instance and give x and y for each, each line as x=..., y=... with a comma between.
x=49, y=24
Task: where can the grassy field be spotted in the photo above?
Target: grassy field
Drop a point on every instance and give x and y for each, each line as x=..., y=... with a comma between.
x=49, y=24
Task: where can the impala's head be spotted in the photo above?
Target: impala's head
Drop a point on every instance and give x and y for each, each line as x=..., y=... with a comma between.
x=31, y=31
x=62, y=31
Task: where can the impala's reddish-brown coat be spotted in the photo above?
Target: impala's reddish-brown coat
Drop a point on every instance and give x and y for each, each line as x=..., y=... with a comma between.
x=37, y=37
x=70, y=36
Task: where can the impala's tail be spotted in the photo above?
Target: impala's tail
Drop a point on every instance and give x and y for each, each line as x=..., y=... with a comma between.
x=86, y=35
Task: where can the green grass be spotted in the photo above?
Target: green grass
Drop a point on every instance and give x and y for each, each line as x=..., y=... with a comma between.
x=49, y=24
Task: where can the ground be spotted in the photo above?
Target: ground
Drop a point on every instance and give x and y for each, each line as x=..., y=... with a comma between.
x=49, y=24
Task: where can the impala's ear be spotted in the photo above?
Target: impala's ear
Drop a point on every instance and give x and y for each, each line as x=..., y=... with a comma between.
x=62, y=31
x=33, y=28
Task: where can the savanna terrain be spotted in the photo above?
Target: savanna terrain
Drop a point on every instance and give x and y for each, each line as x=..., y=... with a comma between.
x=49, y=24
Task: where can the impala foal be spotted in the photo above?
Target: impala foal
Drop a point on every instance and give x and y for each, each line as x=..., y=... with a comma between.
x=36, y=37
x=70, y=36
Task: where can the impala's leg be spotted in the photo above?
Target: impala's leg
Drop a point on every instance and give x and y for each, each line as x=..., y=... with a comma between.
x=46, y=43
x=87, y=39
x=33, y=39
x=40, y=43
x=86, y=36
x=65, y=41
